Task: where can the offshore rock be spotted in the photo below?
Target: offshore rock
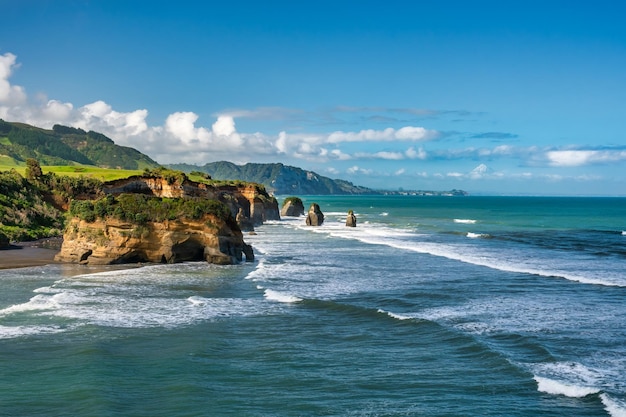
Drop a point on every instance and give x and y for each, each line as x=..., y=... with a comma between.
x=351, y=219
x=314, y=217
x=113, y=241
x=292, y=207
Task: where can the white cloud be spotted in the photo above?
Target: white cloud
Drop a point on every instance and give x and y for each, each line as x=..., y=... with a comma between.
x=411, y=153
x=9, y=94
x=393, y=156
x=575, y=158
x=357, y=170
x=407, y=133
x=224, y=126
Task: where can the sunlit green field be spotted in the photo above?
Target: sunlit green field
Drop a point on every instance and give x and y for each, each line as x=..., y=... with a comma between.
x=104, y=174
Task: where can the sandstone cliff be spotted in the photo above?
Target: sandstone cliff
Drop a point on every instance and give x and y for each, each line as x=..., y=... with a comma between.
x=115, y=242
x=164, y=217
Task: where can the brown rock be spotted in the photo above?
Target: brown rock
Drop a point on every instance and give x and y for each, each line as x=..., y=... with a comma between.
x=114, y=241
x=314, y=217
x=351, y=219
x=293, y=207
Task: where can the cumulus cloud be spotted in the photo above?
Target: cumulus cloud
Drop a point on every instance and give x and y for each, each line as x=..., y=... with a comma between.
x=576, y=158
x=408, y=133
x=9, y=94
x=411, y=153
x=358, y=170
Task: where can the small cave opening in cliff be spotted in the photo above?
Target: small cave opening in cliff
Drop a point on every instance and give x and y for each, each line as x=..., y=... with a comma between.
x=188, y=251
x=134, y=257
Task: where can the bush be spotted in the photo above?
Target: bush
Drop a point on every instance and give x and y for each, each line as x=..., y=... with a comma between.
x=141, y=208
x=294, y=200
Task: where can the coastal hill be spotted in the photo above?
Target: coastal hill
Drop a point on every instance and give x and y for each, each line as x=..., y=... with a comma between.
x=78, y=150
x=66, y=146
x=278, y=179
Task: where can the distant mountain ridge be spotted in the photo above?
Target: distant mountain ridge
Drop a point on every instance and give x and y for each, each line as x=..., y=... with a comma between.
x=63, y=145
x=67, y=146
x=277, y=178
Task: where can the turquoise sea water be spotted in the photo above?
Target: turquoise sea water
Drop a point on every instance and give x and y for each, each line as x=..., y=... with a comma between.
x=431, y=306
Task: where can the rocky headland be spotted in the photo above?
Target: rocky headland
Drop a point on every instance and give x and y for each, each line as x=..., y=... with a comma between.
x=165, y=218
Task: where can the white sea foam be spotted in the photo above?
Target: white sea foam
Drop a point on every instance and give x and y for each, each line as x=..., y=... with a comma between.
x=384, y=214
x=11, y=332
x=567, y=378
x=623, y=232
x=476, y=235
x=409, y=240
x=394, y=315
x=614, y=407
x=197, y=301
x=281, y=297
x=465, y=221
x=38, y=302
x=551, y=386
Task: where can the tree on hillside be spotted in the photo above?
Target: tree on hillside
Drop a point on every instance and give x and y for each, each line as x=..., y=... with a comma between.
x=33, y=169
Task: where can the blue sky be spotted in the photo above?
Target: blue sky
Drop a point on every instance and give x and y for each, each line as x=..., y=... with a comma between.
x=493, y=97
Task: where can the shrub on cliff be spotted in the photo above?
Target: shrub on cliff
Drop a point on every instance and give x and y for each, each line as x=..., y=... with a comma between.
x=141, y=208
x=24, y=212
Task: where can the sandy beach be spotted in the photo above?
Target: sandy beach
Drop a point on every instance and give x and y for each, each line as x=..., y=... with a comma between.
x=26, y=254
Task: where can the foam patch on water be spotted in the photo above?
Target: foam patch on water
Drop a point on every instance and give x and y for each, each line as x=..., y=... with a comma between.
x=614, y=407
x=395, y=316
x=476, y=235
x=567, y=378
x=465, y=221
x=11, y=332
x=281, y=297
x=551, y=386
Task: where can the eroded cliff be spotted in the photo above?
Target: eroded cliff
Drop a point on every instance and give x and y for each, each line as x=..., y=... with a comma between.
x=165, y=218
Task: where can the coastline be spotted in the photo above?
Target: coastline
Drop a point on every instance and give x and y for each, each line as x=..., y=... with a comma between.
x=27, y=254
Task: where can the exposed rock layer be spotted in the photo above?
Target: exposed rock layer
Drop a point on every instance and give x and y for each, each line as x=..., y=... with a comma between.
x=113, y=241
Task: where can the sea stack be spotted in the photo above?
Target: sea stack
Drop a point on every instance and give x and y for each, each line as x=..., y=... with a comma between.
x=314, y=217
x=351, y=219
x=292, y=207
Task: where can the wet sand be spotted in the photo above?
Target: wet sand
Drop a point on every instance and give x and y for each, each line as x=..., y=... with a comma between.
x=26, y=254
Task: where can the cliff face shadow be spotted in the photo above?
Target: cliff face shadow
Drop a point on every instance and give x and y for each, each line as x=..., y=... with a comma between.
x=188, y=251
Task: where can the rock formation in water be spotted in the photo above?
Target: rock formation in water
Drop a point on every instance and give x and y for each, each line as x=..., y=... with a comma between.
x=351, y=219
x=160, y=219
x=314, y=217
x=292, y=207
x=113, y=241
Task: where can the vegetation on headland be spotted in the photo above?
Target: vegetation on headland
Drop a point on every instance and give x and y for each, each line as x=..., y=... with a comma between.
x=35, y=204
x=141, y=208
x=32, y=206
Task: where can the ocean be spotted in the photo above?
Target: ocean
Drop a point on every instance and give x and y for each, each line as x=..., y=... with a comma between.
x=431, y=306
